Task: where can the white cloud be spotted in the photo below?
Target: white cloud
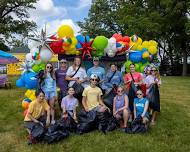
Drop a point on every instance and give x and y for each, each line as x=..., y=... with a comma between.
x=53, y=16
x=84, y=3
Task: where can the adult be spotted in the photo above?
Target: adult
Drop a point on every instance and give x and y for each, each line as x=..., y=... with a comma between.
x=114, y=78
x=92, y=96
x=132, y=80
x=97, y=70
x=60, y=75
x=38, y=113
x=153, y=83
x=47, y=82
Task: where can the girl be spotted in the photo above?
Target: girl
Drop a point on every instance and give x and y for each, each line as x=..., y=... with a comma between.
x=153, y=82
x=121, y=106
x=38, y=112
x=69, y=104
x=47, y=83
x=141, y=107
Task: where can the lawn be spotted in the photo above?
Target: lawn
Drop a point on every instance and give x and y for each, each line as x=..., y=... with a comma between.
x=171, y=134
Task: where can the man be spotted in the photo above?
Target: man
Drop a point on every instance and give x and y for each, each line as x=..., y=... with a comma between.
x=97, y=70
x=92, y=96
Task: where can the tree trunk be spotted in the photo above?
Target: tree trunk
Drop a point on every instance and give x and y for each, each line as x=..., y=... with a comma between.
x=184, y=73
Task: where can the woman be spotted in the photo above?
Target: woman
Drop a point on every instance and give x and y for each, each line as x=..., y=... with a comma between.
x=113, y=78
x=132, y=81
x=38, y=113
x=76, y=75
x=60, y=79
x=153, y=83
x=47, y=82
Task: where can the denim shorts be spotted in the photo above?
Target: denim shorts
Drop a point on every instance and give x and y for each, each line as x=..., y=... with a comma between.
x=50, y=94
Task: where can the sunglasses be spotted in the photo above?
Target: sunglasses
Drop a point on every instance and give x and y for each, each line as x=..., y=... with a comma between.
x=63, y=62
x=153, y=70
x=94, y=79
x=49, y=67
x=139, y=94
x=119, y=90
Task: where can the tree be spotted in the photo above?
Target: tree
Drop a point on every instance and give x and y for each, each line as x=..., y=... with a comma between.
x=14, y=19
x=166, y=21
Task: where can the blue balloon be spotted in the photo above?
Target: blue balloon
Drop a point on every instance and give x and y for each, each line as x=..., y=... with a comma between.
x=27, y=80
x=135, y=57
x=81, y=39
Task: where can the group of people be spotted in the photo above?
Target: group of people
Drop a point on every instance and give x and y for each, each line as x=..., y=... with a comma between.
x=94, y=84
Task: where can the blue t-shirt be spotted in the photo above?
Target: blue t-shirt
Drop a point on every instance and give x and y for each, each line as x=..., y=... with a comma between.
x=140, y=105
x=117, y=79
x=99, y=71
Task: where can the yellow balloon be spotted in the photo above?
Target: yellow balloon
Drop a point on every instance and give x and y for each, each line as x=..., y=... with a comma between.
x=139, y=41
x=134, y=47
x=74, y=40
x=145, y=55
x=139, y=47
x=65, y=31
x=152, y=50
x=145, y=44
x=153, y=43
x=131, y=43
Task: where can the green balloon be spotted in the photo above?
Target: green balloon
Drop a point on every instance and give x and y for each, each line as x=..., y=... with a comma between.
x=42, y=66
x=142, y=68
x=36, y=68
x=137, y=67
x=127, y=65
x=100, y=43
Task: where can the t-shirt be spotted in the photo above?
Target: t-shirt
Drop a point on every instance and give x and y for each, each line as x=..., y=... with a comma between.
x=60, y=79
x=69, y=103
x=37, y=109
x=92, y=96
x=99, y=71
x=117, y=79
x=151, y=79
x=136, y=76
x=81, y=74
x=140, y=104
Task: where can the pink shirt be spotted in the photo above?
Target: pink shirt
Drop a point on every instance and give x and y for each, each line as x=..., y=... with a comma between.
x=136, y=76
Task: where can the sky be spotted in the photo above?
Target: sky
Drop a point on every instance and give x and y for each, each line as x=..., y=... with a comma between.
x=55, y=13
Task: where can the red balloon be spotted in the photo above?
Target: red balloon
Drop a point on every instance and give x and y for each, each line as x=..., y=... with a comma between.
x=56, y=46
x=118, y=37
x=126, y=39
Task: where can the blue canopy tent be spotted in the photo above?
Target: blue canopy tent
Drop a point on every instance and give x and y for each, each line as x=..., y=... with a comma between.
x=6, y=58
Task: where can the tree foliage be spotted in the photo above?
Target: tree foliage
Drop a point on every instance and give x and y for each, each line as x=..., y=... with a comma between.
x=14, y=19
x=166, y=21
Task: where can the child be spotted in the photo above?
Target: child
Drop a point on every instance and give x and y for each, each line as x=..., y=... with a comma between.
x=121, y=106
x=38, y=112
x=141, y=107
x=69, y=104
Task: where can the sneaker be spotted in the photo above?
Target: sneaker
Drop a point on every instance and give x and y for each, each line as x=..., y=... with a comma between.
x=152, y=123
x=52, y=122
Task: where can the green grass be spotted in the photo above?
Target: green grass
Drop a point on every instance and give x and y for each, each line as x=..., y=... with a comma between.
x=171, y=134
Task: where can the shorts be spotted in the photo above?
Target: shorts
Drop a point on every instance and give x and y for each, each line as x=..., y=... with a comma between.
x=50, y=94
x=119, y=115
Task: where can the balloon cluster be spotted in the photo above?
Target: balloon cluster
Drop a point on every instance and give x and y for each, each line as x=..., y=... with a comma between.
x=30, y=96
x=141, y=53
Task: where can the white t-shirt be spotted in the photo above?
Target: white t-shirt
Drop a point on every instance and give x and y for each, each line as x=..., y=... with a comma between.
x=81, y=74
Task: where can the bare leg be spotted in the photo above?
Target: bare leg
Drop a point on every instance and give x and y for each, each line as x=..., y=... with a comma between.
x=52, y=110
x=125, y=117
x=154, y=114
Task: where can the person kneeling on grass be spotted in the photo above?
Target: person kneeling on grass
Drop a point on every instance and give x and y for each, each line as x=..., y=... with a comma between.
x=92, y=96
x=121, y=106
x=141, y=107
x=38, y=113
x=69, y=104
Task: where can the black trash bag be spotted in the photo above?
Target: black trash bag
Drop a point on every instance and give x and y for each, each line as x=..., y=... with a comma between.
x=154, y=97
x=37, y=131
x=53, y=128
x=137, y=126
x=68, y=124
x=108, y=99
x=78, y=89
x=87, y=121
x=106, y=122
x=132, y=94
x=51, y=137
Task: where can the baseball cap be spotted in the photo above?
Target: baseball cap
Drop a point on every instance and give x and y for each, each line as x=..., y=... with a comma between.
x=95, y=59
x=63, y=60
x=94, y=76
